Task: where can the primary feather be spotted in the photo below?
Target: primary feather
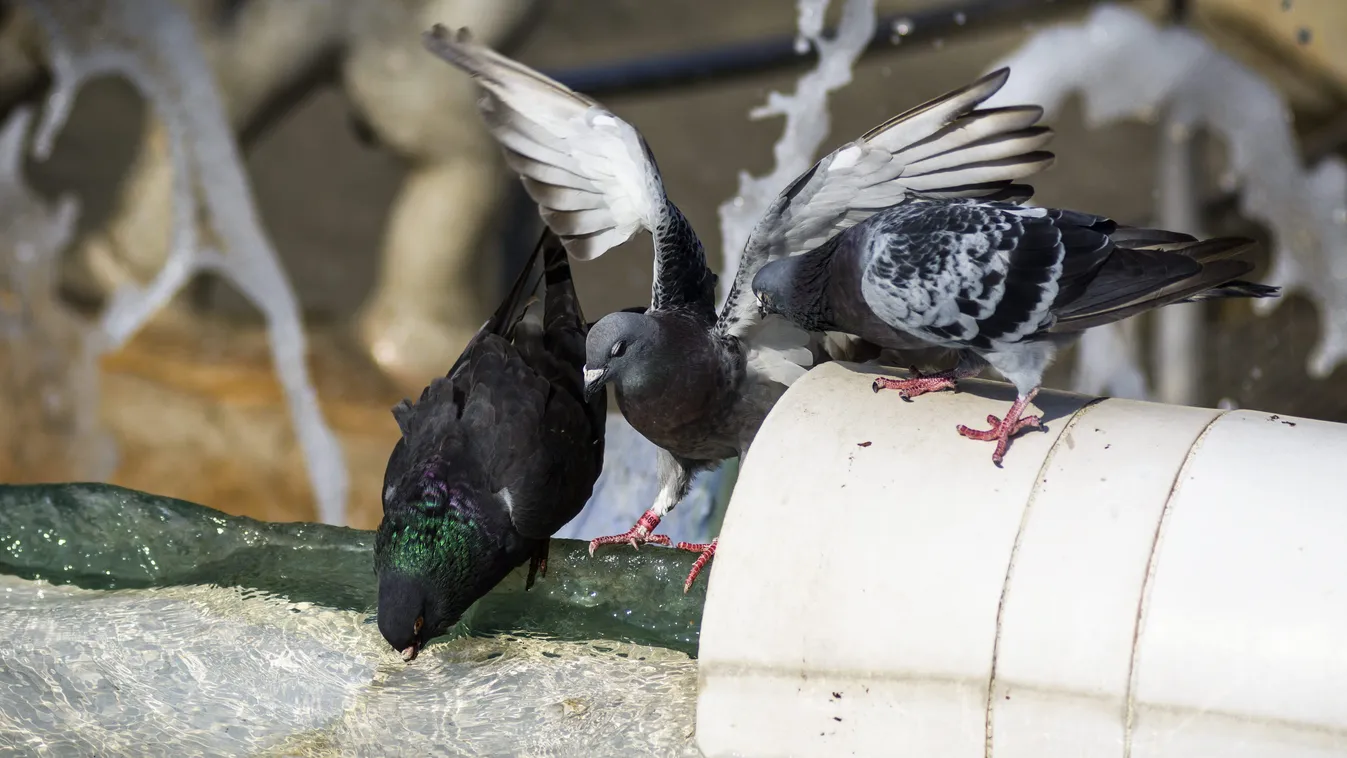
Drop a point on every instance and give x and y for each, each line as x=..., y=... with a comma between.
x=591, y=173
x=945, y=148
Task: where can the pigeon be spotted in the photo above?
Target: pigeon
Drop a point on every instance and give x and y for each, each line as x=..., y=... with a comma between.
x=696, y=382
x=999, y=283
x=494, y=458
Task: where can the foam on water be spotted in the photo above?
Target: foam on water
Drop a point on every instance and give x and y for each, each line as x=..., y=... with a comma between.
x=209, y=670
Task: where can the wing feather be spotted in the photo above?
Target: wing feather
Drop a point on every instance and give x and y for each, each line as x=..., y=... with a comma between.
x=588, y=169
x=943, y=149
x=591, y=173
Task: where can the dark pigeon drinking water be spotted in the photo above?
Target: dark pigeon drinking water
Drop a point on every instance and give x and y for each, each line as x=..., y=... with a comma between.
x=1001, y=284
x=695, y=382
x=494, y=458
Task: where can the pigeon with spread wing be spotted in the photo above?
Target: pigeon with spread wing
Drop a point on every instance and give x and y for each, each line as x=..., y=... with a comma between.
x=1000, y=284
x=696, y=382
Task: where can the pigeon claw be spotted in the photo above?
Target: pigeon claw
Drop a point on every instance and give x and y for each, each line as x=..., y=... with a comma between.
x=537, y=565
x=1003, y=429
x=707, y=550
x=636, y=536
x=918, y=385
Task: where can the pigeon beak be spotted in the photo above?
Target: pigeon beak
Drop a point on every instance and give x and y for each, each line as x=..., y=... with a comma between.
x=594, y=380
x=409, y=654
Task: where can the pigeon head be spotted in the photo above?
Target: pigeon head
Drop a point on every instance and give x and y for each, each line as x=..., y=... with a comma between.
x=618, y=350
x=408, y=612
x=432, y=554
x=792, y=287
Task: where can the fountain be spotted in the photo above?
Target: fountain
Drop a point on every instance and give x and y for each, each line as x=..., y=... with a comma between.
x=146, y=625
x=154, y=625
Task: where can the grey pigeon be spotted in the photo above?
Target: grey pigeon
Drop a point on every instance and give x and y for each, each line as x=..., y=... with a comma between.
x=1001, y=284
x=493, y=460
x=695, y=382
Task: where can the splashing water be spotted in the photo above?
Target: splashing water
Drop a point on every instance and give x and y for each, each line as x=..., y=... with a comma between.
x=807, y=121
x=192, y=632
x=209, y=670
x=1123, y=65
x=810, y=23
x=153, y=45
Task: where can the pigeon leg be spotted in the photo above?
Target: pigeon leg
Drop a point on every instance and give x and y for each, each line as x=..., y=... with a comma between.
x=675, y=476
x=921, y=383
x=707, y=550
x=537, y=564
x=1003, y=429
x=636, y=536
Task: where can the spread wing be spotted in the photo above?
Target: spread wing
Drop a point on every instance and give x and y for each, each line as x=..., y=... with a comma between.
x=591, y=173
x=944, y=149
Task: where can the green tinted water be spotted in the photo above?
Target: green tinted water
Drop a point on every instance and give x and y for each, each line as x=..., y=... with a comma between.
x=141, y=625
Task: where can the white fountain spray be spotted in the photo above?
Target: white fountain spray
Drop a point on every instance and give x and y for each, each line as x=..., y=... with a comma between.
x=807, y=120
x=1124, y=65
x=153, y=45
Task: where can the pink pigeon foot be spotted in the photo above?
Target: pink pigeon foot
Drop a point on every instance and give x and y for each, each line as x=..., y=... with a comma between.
x=537, y=565
x=920, y=383
x=707, y=550
x=1003, y=429
x=636, y=536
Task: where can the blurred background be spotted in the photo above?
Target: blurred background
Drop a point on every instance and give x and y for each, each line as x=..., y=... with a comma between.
x=396, y=224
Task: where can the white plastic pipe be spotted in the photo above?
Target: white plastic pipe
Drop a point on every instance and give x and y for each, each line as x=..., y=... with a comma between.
x=1140, y=580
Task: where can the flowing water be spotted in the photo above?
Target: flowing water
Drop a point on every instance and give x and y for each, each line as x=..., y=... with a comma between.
x=140, y=625
x=223, y=671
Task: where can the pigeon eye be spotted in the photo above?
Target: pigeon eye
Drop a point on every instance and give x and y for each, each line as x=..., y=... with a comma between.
x=619, y=348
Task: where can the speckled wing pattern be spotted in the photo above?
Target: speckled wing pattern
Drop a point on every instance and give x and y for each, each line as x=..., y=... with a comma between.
x=592, y=174
x=945, y=148
x=974, y=275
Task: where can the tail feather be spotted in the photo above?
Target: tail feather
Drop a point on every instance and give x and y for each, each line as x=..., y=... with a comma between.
x=1237, y=288
x=1137, y=279
x=512, y=308
x=564, y=314
x=1217, y=249
x=535, y=311
x=1139, y=238
x=525, y=312
x=517, y=300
